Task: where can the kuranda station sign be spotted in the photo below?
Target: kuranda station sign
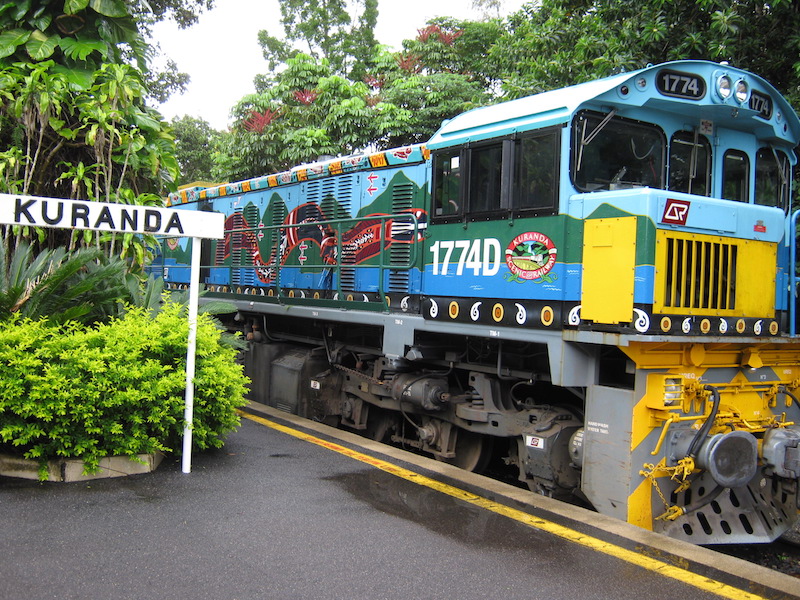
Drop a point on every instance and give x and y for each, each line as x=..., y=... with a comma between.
x=33, y=211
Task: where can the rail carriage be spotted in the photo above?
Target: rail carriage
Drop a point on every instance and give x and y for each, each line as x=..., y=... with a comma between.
x=595, y=285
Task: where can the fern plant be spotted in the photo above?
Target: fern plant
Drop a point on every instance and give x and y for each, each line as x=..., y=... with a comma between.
x=82, y=285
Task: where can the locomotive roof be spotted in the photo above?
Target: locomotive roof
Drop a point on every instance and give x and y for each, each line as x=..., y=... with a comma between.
x=556, y=107
x=405, y=155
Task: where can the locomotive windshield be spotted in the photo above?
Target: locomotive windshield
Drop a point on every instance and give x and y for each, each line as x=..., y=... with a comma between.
x=690, y=164
x=735, y=176
x=611, y=153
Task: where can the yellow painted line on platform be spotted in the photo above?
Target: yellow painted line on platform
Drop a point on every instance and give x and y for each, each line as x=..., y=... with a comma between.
x=651, y=564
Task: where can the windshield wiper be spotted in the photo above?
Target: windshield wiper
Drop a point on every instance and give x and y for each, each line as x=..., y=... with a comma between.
x=588, y=139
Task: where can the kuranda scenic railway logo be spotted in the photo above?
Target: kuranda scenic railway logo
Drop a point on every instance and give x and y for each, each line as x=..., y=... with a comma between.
x=531, y=256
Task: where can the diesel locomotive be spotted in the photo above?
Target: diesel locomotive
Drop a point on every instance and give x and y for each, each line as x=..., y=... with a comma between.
x=595, y=285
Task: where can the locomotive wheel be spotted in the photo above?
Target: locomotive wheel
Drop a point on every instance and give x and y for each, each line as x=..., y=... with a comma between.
x=473, y=451
x=379, y=424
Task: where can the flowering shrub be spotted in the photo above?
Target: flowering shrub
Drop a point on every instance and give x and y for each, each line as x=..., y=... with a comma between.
x=113, y=389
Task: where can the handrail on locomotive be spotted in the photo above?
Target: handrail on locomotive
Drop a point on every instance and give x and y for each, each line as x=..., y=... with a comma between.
x=791, y=234
x=337, y=263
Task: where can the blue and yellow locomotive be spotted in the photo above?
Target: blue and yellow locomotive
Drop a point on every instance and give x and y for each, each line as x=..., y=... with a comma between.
x=594, y=284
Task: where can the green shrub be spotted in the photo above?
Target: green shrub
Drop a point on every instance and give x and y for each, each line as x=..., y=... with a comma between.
x=115, y=388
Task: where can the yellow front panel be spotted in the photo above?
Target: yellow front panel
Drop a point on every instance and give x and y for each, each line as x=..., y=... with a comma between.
x=712, y=275
x=609, y=267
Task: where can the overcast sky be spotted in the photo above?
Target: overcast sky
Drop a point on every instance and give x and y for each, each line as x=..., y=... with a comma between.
x=222, y=55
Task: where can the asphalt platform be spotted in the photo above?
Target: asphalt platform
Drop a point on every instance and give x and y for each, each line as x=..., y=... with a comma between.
x=291, y=509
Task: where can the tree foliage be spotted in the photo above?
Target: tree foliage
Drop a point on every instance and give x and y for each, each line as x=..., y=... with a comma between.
x=93, y=140
x=308, y=111
x=553, y=43
x=447, y=45
x=349, y=94
x=183, y=12
x=195, y=143
x=76, y=34
x=325, y=29
x=74, y=121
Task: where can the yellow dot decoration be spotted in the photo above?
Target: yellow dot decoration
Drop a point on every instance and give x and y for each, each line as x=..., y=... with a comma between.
x=453, y=310
x=498, y=312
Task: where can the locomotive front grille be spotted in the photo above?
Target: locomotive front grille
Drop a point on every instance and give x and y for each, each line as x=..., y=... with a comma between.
x=700, y=275
x=712, y=275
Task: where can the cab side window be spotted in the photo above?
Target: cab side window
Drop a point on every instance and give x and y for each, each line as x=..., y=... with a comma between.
x=772, y=178
x=485, y=178
x=447, y=184
x=499, y=178
x=536, y=173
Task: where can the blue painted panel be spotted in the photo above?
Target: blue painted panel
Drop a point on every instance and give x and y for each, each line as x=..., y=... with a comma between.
x=705, y=215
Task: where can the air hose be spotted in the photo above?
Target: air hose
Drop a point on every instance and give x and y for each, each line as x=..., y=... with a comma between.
x=702, y=433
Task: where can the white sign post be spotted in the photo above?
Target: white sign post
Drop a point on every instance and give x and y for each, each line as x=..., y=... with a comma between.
x=33, y=211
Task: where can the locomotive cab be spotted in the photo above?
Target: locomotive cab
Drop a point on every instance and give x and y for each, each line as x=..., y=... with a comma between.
x=658, y=236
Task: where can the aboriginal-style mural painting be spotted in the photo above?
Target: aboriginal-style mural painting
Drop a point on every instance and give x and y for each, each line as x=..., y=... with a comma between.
x=312, y=240
x=305, y=229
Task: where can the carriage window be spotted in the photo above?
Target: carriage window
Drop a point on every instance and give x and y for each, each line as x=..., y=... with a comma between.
x=485, y=170
x=611, y=153
x=690, y=164
x=735, y=176
x=536, y=176
x=772, y=178
x=447, y=181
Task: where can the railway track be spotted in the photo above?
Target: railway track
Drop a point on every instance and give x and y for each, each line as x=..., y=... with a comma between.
x=779, y=555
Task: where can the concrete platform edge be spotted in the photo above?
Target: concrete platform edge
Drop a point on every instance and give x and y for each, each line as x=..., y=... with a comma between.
x=726, y=569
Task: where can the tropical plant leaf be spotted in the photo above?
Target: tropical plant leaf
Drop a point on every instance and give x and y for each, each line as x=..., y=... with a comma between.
x=41, y=21
x=109, y=8
x=40, y=46
x=11, y=40
x=77, y=48
x=59, y=286
x=73, y=6
x=145, y=121
x=80, y=79
x=6, y=6
x=22, y=9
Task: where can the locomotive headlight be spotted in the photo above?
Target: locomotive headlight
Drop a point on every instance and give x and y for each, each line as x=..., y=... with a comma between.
x=724, y=87
x=742, y=91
